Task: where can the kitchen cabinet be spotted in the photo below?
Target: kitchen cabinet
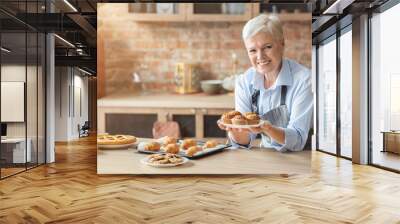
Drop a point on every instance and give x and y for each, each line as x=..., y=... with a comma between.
x=137, y=124
x=196, y=113
x=14, y=152
x=211, y=129
x=224, y=12
x=187, y=124
x=391, y=141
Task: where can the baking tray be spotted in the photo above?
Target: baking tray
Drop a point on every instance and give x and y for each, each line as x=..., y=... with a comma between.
x=203, y=153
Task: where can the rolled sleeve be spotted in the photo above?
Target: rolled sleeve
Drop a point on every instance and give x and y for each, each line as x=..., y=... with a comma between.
x=296, y=132
x=291, y=141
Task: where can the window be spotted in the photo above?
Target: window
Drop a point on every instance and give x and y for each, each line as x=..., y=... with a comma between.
x=22, y=75
x=345, y=93
x=327, y=96
x=385, y=88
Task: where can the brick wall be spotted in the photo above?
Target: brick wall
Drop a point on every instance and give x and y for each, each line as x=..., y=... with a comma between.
x=153, y=48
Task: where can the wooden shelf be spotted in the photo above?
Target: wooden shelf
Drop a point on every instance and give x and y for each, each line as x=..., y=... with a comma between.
x=191, y=16
x=186, y=13
x=157, y=17
x=295, y=17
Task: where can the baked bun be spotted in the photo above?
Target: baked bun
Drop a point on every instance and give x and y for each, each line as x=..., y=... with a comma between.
x=233, y=113
x=210, y=144
x=225, y=118
x=252, y=118
x=152, y=146
x=188, y=143
x=193, y=150
x=239, y=120
x=169, y=140
x=172, y=148
x=248, y=113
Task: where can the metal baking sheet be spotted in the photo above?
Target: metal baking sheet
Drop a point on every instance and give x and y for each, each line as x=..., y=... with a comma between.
x=203, y=153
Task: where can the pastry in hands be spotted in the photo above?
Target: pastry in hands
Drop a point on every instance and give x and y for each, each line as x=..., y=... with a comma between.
x=152, y=146
x=226, y=119
x=193, y=150
x=210, y=144
x=239, y=120
x=248, y=113
x=172, y=148
x=252, y=118
x=188, y=143
x=169, y=140
x=232, y=114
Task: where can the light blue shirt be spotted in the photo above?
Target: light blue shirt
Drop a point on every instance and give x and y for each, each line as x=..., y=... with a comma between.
x=299, y=101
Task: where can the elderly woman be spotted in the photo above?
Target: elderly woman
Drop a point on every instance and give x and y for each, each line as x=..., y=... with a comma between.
x=277, y=89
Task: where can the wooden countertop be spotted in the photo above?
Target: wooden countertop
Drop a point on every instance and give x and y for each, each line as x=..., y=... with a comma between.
x=258, y=161
x=198, y=100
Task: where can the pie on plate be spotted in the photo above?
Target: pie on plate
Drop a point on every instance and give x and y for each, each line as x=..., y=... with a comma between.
x=115, y=141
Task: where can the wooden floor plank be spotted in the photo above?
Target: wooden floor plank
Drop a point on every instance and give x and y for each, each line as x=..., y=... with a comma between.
x=70, y=191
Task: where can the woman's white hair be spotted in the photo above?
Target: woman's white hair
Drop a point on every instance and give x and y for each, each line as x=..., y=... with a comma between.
x=263, y=23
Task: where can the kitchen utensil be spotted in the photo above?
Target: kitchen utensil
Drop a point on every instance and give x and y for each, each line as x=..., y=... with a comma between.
x=187, y=79
x=211, y=86
x=165, y=8
x=229, y=83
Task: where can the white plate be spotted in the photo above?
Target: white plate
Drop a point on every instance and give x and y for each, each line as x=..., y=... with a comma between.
x=146, y=162
x=121, y=146
x=242, y=126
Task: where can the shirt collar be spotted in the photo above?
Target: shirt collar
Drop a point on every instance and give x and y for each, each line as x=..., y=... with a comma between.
x=284, y=77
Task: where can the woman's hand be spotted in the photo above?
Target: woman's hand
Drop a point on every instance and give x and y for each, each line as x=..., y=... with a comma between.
x=276, y=133
x=239, y=135
x=264, y=128
x=235, y=130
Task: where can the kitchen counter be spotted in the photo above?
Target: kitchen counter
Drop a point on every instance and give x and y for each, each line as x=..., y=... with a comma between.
x=198, y=100
x=258, y=161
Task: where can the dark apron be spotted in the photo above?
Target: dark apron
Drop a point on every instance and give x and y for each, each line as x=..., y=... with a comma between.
x=278, y=116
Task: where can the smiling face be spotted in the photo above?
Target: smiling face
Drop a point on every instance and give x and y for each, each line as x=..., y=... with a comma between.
x=265, y=53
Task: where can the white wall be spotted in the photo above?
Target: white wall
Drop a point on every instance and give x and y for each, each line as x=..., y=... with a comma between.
x=61, y=103
x=12, y=73
x=69, y=85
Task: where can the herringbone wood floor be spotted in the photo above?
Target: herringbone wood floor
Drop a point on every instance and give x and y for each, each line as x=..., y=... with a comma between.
x=70, y=191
